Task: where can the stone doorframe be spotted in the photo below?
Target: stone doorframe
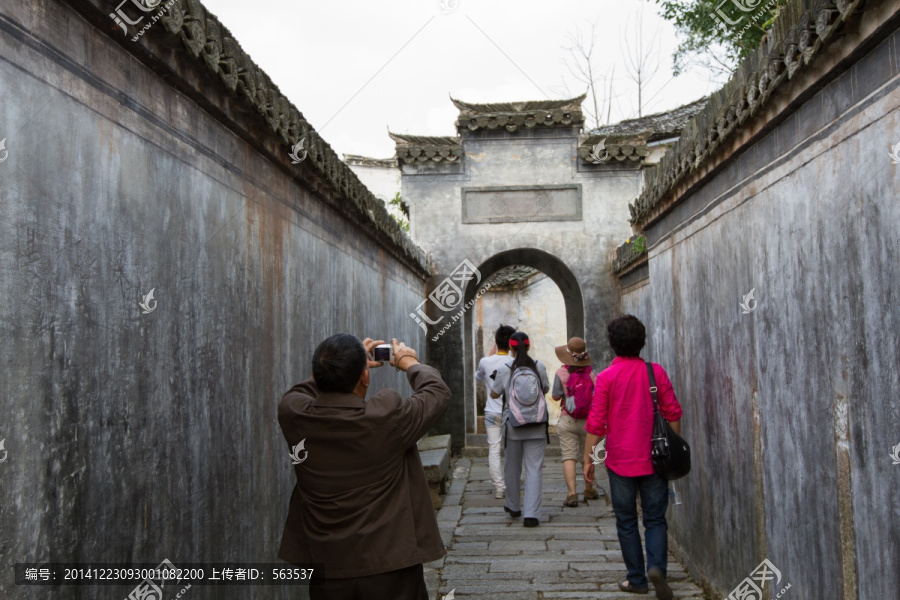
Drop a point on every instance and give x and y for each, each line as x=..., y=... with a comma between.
x=550, y=266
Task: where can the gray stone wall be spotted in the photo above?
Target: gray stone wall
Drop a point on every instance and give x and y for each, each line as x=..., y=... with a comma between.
x=791, y=409
x=136, y=437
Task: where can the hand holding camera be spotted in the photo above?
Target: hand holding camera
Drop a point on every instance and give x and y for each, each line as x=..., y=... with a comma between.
x=398, y=354
x=372, y=354
x=402, y=356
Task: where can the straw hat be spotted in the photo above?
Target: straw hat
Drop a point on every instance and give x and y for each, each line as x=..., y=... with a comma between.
x=574, y=353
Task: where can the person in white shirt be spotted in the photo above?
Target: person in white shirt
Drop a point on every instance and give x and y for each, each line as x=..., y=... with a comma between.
x=493, y=409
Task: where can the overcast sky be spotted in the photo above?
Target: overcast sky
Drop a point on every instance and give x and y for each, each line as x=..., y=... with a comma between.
x=358, y=68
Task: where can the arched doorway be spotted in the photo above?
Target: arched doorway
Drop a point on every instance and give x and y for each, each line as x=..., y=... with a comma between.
x=547, y=264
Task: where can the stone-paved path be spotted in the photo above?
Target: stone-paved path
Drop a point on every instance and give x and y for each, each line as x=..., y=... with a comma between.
x=574, y=553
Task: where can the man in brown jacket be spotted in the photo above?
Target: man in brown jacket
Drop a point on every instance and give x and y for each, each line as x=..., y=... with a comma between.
x=361, y=508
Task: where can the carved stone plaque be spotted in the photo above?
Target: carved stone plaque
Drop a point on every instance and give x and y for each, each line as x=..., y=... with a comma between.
x=515, y=204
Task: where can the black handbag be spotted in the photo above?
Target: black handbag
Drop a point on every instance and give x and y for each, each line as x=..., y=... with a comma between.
x=671, y=455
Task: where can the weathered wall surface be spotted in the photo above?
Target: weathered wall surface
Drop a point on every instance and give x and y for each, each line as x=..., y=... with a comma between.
x=138, y=437
x=791, y=409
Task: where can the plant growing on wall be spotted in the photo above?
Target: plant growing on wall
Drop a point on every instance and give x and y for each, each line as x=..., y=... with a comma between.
x=399, y=212
x=638, y=244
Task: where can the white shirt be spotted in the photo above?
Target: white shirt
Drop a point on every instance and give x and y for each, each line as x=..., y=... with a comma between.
x=486, y=366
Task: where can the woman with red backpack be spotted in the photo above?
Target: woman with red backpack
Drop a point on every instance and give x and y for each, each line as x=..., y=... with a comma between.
x=573, y=387
x=522, y=382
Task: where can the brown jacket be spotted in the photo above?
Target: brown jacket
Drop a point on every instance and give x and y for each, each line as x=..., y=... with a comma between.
x=361, y=505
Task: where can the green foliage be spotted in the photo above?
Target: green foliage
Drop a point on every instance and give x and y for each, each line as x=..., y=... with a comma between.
x=640, y=244
x=718, y=45
x=402, y=221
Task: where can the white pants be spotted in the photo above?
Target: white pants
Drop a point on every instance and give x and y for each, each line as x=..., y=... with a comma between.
x=492, y=425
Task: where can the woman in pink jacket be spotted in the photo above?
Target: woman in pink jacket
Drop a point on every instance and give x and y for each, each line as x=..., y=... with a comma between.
x=622, y=411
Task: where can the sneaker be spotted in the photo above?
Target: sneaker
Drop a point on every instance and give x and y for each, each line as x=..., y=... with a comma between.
x=531, y=522
x=499, y=494
x=571, y=501
x=590, y=493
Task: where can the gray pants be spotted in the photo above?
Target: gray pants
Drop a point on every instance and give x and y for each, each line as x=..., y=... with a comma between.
x=533, y=453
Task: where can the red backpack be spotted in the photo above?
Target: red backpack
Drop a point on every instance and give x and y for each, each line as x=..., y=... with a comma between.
x=580, y=393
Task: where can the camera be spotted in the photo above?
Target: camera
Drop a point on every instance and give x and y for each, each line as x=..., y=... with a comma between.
x=382, y=352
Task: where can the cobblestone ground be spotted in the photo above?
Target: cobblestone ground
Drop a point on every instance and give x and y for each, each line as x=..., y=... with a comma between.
x=574, y=553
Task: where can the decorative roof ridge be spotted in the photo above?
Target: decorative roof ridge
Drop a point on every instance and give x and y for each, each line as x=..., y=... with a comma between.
x=517, y=107
x=368, y=161
x=797, y=36
x=657, y=125
x=593, y=138
x=211, y=44
x=421, y=140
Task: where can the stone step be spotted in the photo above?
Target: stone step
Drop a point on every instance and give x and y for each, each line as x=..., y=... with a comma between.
x=480, y=439
x=477, y=446
x=435, y=454
x=434, y=442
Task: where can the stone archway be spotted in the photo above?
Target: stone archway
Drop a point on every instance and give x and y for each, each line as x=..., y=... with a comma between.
x=543, y=261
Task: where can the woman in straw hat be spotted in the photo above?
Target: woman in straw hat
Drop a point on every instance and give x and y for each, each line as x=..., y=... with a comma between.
x=573, y=387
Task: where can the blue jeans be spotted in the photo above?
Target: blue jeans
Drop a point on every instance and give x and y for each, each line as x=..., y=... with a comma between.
x=654, y=502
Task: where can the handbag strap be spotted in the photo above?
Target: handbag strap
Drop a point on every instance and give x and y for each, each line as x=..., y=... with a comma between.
x=653, y=388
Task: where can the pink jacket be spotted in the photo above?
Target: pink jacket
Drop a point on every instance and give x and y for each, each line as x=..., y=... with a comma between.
x=622, y=410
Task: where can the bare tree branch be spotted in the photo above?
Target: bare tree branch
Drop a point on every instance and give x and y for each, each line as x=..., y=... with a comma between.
x=641, y=58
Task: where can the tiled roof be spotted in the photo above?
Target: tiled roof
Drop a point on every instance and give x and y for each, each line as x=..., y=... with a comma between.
x=654, y=127
x=355, y=160
x=510, y=277
x=513, y=116
x=424, y=140
x=472, y=108
x=422, y=148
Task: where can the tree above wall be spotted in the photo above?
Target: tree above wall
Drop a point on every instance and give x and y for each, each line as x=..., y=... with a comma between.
x=717, y=34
